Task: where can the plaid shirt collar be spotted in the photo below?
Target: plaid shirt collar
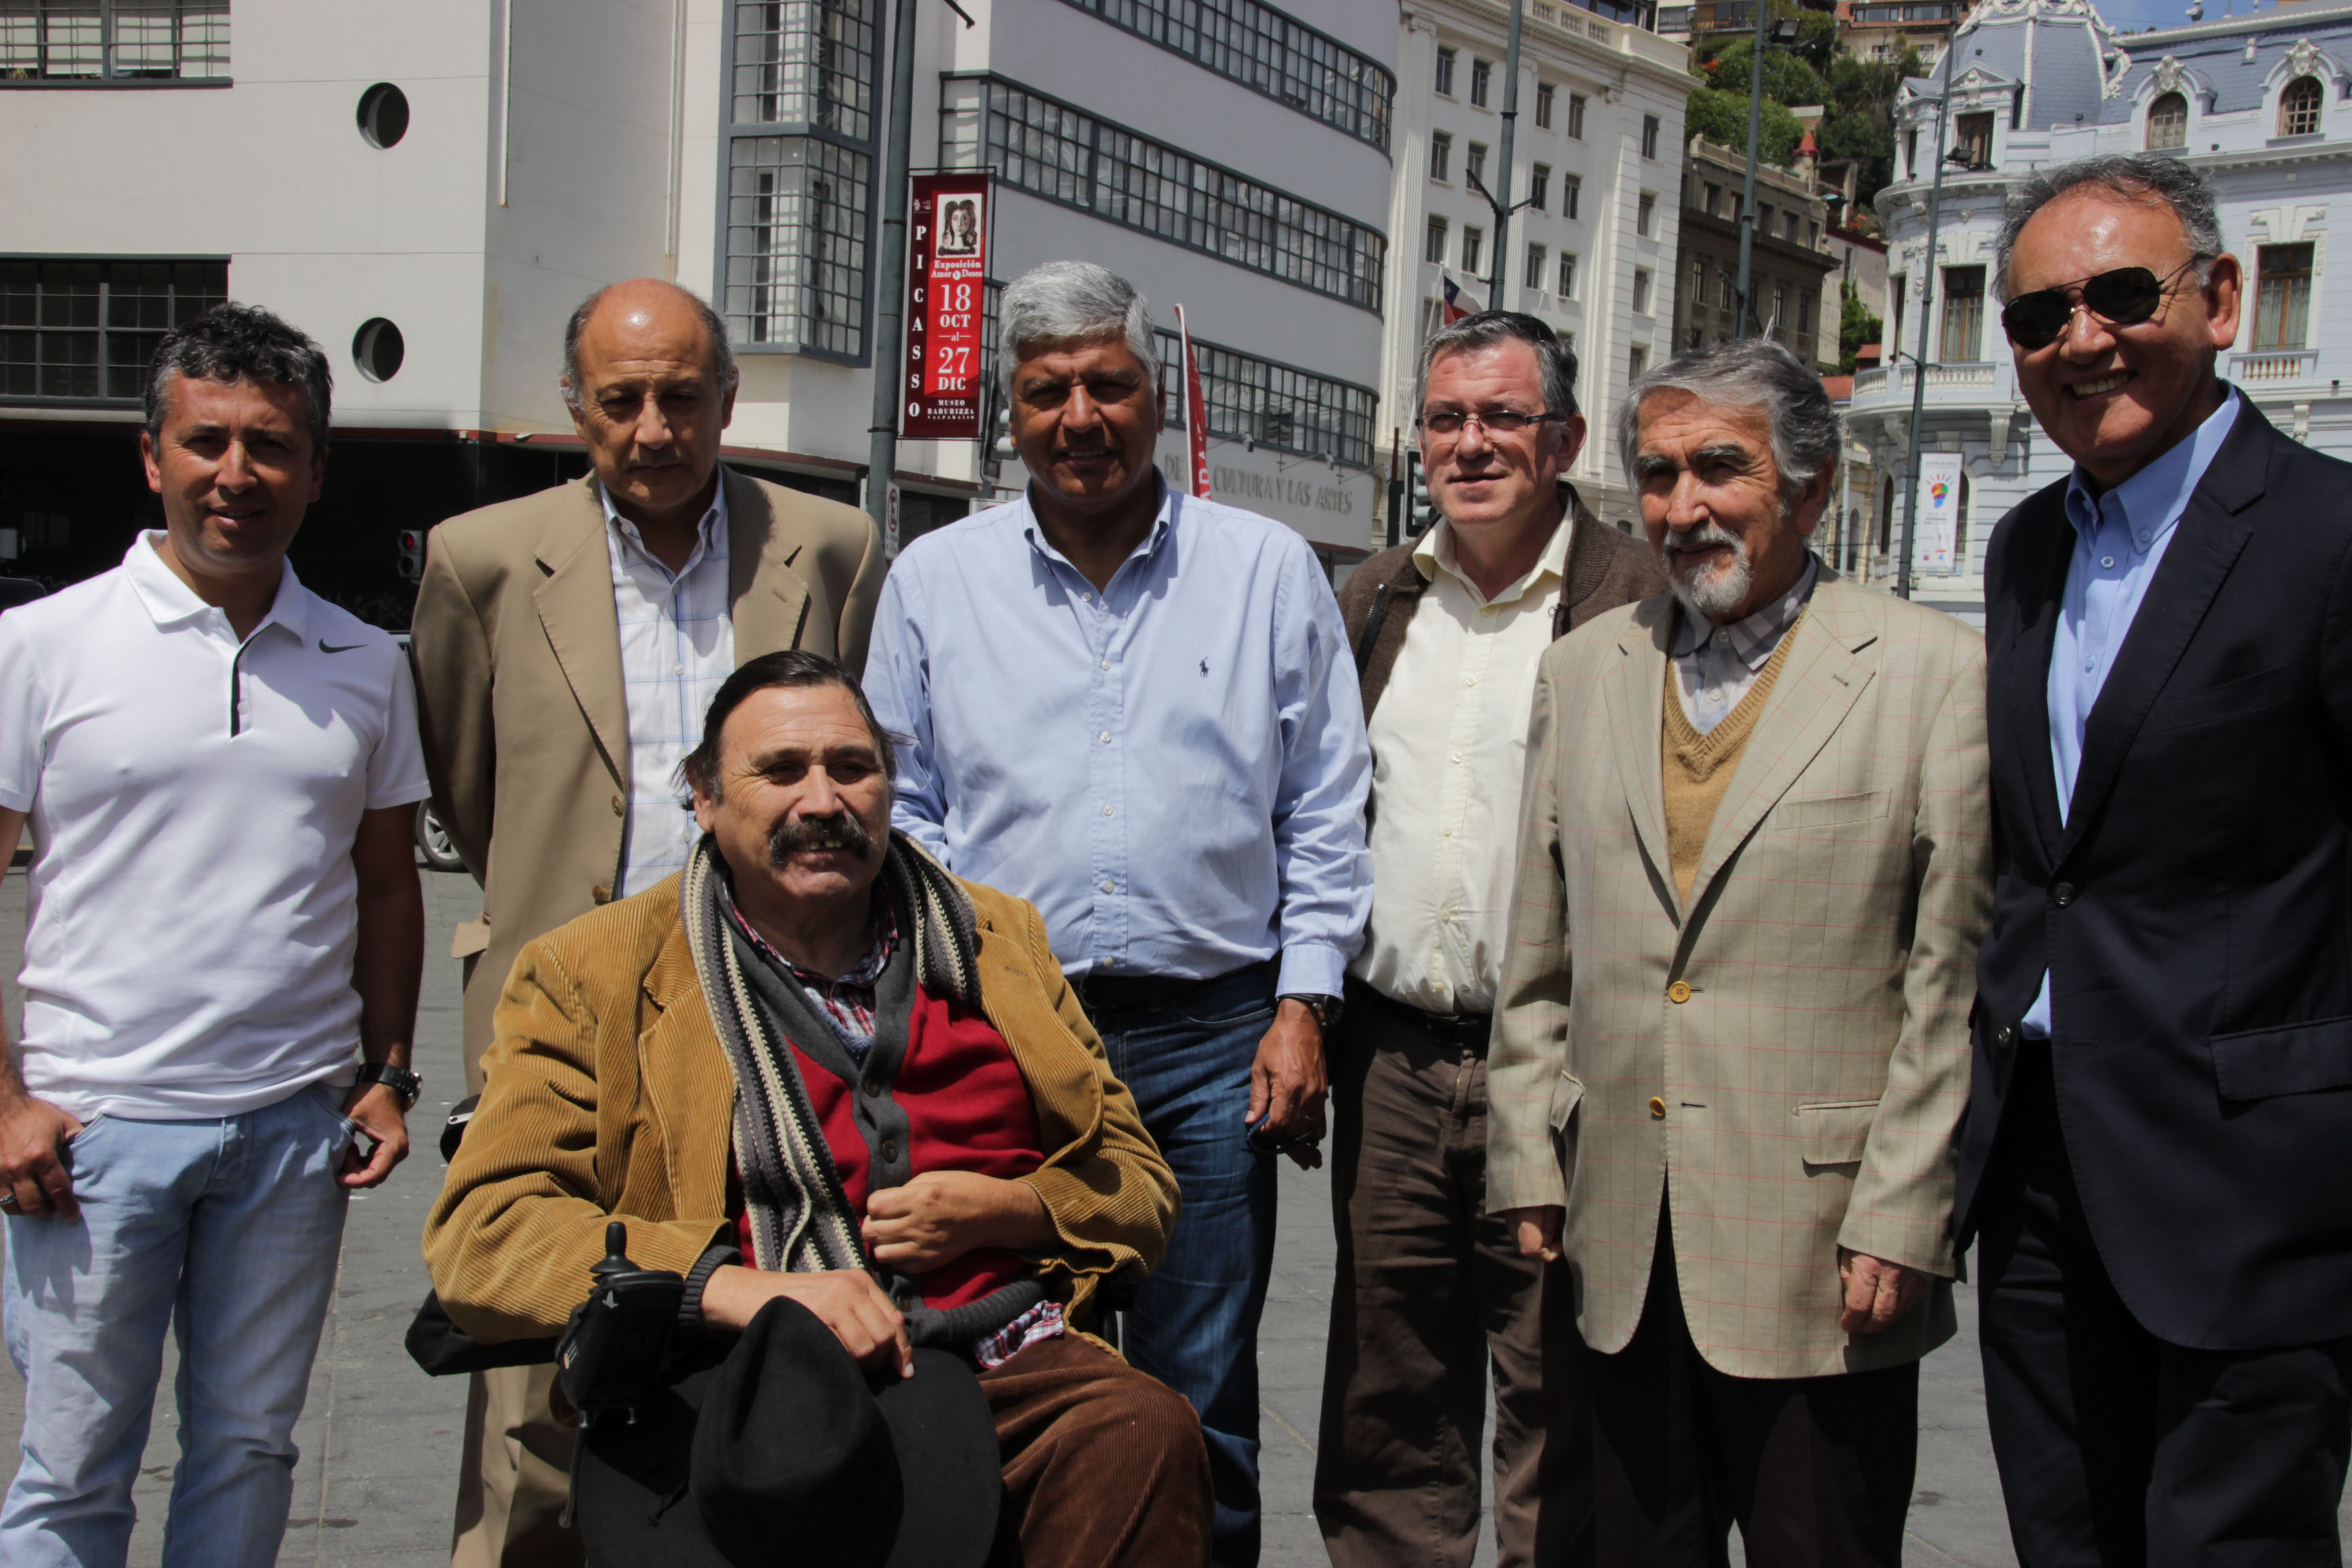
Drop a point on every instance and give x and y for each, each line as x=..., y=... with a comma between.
x=1753, y=638
x=863, y=976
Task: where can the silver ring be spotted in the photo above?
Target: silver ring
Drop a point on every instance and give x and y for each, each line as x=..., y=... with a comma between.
x=8, y=1203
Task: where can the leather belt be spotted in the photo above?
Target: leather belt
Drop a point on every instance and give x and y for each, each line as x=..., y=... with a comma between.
x=1124, y=993
x=1465, y=1031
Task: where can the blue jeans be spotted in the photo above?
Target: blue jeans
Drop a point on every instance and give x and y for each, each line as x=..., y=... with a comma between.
x=1193, y=1325
x=227, y=1230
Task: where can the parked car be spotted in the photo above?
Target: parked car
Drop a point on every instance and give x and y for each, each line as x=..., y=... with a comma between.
x=16, y=591
x=433, y=841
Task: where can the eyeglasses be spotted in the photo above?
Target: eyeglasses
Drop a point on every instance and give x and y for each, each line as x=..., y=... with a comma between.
x=1448, y=423
x=2123, y=297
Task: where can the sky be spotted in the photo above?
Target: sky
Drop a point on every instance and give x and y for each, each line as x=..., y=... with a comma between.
x=2137, y=15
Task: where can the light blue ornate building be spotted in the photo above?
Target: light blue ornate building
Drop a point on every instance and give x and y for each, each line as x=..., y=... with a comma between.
x=2260, y=105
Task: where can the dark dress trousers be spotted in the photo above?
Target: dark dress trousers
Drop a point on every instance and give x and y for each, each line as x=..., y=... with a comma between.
x=2163, y=1191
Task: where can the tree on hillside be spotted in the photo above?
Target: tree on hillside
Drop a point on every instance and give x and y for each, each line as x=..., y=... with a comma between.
x=1722, y=118
x=1856, y=327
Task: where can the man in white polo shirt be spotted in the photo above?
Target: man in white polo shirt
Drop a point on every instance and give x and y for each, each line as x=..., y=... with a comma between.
x=222, y=954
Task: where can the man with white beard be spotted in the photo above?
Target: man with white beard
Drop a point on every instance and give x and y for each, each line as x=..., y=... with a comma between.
x=1731, y=1045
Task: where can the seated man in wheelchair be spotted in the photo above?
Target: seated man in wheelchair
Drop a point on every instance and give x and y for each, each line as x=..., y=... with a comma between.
x=815, y=1068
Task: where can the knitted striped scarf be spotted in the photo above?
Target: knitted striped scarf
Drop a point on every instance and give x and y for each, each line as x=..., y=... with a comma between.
x=801, y=1219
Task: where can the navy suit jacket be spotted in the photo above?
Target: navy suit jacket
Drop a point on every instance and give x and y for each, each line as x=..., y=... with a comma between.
x=2194, y=908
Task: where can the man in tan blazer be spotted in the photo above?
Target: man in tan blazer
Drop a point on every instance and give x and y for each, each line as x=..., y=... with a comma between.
x=566, y=645
x=1731, y=1048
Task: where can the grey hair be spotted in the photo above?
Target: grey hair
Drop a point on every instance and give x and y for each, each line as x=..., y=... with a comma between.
x=1751, y=372
x=233, y=342
x=1070, y=302
x=2135, y=177
x=722, y=352
x=1554, y=359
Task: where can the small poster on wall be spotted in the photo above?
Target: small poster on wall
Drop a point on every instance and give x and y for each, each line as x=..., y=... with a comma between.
x=947, y=282
x=1937, y=534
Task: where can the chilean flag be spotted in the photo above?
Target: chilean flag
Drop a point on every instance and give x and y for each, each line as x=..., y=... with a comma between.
x=1196, y=411
x=1459, y=301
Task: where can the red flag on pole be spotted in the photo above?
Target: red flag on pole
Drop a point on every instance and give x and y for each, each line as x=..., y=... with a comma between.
x=1196, y=411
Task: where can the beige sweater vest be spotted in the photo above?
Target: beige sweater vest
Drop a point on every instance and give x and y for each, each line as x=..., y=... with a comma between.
x=1697, y=769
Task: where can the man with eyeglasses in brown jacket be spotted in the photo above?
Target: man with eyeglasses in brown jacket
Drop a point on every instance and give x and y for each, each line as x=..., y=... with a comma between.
x=1447, y=633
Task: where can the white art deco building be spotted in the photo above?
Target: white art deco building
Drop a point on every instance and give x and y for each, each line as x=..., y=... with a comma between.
x=2260, y=105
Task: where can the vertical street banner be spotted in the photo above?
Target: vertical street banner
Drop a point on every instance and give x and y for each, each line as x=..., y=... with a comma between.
x=1196, y=411
x=1938, y=531
x=946, y=285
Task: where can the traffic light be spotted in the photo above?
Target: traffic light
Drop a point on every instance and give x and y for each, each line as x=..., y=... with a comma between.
x=412, y=555
x=1421, y=512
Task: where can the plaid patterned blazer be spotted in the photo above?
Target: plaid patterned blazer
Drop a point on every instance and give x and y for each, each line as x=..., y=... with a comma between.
x=1784, y=1061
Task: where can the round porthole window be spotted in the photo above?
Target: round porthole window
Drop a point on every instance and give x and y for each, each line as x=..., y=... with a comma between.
x=377, y=350
x=383, y=114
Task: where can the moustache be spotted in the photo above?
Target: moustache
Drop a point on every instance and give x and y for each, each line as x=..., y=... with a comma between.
x=810, y=834
x=1706, y=535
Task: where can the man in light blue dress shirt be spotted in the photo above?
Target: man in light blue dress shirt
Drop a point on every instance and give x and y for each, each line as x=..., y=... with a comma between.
x=1136, y=709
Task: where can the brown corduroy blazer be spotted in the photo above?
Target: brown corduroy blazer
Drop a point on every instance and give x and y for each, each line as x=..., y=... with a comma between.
x=609, y=1096
x=1605, y=569
x=519, y=688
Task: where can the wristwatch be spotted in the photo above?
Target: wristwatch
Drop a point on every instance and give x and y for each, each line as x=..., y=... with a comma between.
x=400, y=1081
x=1325, y=1008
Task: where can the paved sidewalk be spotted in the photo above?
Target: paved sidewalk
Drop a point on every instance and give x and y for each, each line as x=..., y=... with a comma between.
x=380, y=1440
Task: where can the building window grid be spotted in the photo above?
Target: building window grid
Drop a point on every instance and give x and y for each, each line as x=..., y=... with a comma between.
x=1539, y=186
x=1434, y=250
x=1274, y=405
x=2299, y=107
x=1646, y=214
x=2168, y=123
x=1640, y=290
x=1536, y=255
x=805, y=62
x=1473, y=245
x=1272, y=54
x=114, y=40
x=2282, y=297
x=87, y=331
x=1482, y=77
x=1964, y=305
x=1036, y=144
x=800, y=177
x=1572, y=195
x=1474, y=164
x=1567, y=275
x=1445, y=72
x=1649, y=136
x=1543, y=105
x=1576, y=115
x=1441, y=155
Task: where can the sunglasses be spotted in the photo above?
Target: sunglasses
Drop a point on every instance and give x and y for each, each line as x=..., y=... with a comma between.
x=2123, y=297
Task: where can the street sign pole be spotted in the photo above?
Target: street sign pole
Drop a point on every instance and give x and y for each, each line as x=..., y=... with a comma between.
x=887, y=351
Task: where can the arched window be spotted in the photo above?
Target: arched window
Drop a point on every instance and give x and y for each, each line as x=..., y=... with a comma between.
x=2168, y=123
x=2299, y=107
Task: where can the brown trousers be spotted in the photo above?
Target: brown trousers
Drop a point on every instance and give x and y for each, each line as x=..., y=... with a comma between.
x=1103, y=1466
x=515, y=1476
x=1816, y=1471
x=1429, y=1297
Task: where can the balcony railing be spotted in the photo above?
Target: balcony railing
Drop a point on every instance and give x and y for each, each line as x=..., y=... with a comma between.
x=2273, y=366
x=1975, y=375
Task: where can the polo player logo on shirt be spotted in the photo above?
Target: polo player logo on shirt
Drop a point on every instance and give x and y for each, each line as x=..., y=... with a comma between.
x=1204, y=666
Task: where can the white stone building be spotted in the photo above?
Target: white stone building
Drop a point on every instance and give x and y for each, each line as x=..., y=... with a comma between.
x=428, y=188
x=2257, y=104
x=1598, y=155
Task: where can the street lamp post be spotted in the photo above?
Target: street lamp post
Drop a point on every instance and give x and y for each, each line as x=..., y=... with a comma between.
x=890, y=274
x=1501, y=206
x=1926, y=308
x=1785, y=30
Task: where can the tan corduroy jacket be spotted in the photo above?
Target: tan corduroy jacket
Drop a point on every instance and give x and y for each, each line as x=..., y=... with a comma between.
x=1782, y=1060
x=610, y=1096
x=519, y=688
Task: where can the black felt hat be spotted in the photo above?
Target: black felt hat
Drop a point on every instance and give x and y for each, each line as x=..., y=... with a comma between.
x=788, y=1452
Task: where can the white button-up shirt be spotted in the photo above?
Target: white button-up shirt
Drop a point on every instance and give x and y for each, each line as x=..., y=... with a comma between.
x=1449, y=756
x=677, y=647
x=194, y=798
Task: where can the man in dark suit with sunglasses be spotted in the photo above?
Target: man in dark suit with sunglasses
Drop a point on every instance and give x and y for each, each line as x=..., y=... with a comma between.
x=2154, y=1159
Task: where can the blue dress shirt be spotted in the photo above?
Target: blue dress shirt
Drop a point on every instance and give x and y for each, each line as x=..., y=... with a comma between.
x=2119, y=539
x=1172, y=769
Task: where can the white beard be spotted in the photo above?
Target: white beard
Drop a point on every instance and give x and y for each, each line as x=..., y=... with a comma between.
x=1710, y=594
